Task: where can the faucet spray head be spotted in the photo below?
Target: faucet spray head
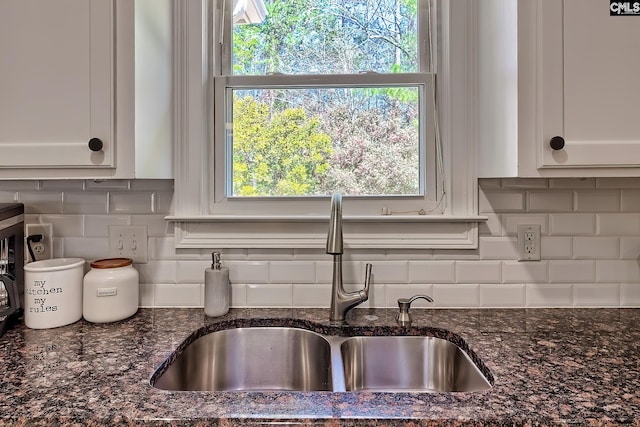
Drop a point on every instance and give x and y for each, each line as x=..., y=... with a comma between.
x=334, y=238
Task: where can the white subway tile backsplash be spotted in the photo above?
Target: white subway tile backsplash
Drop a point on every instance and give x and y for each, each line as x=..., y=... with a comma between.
x=597, y=200
x=151, y=185
x=556, y=247
x=621, y=271
x=424, y=272
x=130, y=202
x=157, y=226
x=19, y=185
x=8, y=196
x=270, y=295
x=492, y=226
x=630, y=294
x=618, y=224
x=596, y=247
x=550, y=201
x=478, y=272
x=572, y=224
x=525, y=271
x=630, y=200
x=501, y=201
x=630, y=247
x=617, y=182
x=456, y=296
x=179, y=295
x=41, y=202
x=87, y=202
x=238, y=297
x=89, y=248
x=572, y=271
x=62, y=185
x=367, y=255
x=164, y=249
x=498, y=248
x=490, y=184
x=98, y=225
x=549, y=295
x=66, y=225
x=147, y=295
x=162, y=202
x=596, y=295
x=317, y=295
x=269, y=254
x=494, y=296
x=292, y=272
x=248, y=272
x=572, y=183
x=158, y=272
x=390, y=271
x=309, y=254
x=108, y=184
x=590, y=248
x=526, y=183
x=191, y=271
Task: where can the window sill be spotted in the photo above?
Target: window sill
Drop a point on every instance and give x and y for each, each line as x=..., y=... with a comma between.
x=299, y=231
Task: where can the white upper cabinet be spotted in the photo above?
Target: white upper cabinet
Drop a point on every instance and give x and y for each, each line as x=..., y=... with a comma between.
x=57, y=83
x=591, y=93
x=577, y=92
x=68, y=90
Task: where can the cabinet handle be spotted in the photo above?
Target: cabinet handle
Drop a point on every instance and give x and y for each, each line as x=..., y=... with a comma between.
x=95, y=144
x=557, y=143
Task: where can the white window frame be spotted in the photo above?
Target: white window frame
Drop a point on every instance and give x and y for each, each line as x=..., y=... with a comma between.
x=203, y=222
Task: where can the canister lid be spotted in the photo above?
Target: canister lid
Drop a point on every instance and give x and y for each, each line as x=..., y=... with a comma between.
x=111, y=263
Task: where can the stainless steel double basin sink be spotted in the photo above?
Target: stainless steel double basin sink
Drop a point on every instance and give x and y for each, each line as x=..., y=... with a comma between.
x=293, y=359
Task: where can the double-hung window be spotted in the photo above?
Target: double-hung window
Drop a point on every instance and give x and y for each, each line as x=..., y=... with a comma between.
x=315, y=97
x=301, y=99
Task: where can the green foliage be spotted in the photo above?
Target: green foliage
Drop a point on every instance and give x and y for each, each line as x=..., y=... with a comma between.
x=277, y=153
x=357, y=141
x=361, y=164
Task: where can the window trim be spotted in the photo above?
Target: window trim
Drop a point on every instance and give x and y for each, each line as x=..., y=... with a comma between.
x=196, y=228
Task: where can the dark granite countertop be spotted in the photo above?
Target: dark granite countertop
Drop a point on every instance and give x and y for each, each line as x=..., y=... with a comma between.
x=551, y=367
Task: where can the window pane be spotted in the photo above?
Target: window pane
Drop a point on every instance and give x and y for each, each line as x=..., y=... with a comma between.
x=327, y=37
x=318, y=141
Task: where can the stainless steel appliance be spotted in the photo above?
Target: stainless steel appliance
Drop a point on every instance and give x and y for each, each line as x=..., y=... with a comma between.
x=11, y=263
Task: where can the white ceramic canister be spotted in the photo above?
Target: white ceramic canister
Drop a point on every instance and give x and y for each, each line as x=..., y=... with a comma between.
x=111, y=290
x=53, y=292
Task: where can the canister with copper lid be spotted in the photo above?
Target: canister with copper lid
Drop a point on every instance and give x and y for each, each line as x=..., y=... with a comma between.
x=110, y=290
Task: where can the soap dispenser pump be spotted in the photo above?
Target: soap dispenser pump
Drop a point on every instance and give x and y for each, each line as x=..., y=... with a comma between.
x=216, y=288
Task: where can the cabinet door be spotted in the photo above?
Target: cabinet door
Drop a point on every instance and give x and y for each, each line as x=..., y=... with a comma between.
x=56, y=83
x=590, y=85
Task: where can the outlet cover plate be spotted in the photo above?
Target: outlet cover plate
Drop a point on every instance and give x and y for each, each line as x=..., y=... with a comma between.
x=128, y=241
x=44, y=248
x=529, y=242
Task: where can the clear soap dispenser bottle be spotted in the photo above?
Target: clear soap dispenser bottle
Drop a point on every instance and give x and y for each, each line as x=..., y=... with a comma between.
x=216, y=288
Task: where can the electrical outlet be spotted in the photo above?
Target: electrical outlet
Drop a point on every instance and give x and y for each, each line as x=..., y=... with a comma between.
x=42, y=249
x=128, y=241
x=529, y=242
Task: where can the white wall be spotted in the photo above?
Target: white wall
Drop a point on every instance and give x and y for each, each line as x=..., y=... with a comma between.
x=590, y=248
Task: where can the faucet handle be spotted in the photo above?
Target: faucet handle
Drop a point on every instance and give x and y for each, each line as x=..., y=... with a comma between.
x=404, y=304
